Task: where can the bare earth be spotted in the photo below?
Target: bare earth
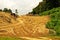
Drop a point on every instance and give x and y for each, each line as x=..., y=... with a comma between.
x=24, y=26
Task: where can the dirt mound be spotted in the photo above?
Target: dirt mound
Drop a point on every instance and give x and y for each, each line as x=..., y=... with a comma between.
x=23, y=26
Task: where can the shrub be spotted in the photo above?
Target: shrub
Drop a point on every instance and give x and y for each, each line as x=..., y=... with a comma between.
x=52, y=11
x=54, y=23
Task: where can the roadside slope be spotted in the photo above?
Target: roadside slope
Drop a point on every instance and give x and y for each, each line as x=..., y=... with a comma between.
x=23, y=26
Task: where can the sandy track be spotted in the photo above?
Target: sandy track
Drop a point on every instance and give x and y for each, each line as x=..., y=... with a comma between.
x=41, y=38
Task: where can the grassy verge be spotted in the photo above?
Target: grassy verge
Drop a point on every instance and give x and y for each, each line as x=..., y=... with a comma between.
x=10, y=38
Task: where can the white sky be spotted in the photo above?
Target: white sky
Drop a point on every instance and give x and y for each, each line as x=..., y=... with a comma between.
x=23, y=6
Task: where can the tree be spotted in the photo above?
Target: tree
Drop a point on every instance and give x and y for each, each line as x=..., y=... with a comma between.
x=16, y=11
x=10, y=11
x=5, y=10
x=46, y=5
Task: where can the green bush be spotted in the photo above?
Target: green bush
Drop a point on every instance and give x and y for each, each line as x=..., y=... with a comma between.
x=54, y=23
x=52, y=11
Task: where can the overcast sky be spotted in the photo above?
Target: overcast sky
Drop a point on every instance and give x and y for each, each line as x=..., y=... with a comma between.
x=23, y=6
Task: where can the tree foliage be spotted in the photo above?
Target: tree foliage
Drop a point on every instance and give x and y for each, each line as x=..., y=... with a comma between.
x=16, y=11
x=7, y=10
x=46, y=5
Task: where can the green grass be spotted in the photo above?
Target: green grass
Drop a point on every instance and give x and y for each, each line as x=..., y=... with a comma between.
x=9, y=38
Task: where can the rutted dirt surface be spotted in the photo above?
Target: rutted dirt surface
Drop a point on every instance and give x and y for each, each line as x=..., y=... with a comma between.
x=23, y=26
x=32, y=26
